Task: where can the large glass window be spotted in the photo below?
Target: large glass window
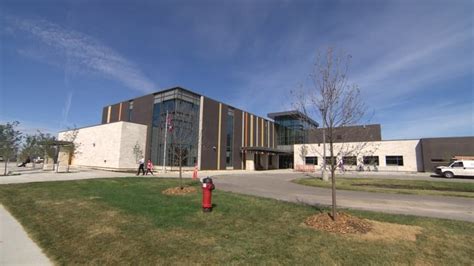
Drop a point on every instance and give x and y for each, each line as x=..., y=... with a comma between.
x=394, y=160
x=311, y=160
x=349, y=160
x=229, y=137
x=371, y=160
x=176, y=119
x=291, y=130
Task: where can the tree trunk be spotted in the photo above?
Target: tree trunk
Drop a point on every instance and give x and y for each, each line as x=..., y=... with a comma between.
x=6, y=163
x=180, y=172
x=333, y=180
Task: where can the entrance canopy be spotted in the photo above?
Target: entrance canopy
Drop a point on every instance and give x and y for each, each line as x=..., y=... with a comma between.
x=265, y=150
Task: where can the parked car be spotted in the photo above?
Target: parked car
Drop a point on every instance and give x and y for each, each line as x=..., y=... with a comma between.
x=457, y=168
x=38, y=160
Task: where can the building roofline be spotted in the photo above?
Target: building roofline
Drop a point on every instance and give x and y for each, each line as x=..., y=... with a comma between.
x=294, y=113
x=95, y=125
x=188, y=91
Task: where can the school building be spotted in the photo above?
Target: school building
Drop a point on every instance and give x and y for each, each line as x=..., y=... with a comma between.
x=179, y=127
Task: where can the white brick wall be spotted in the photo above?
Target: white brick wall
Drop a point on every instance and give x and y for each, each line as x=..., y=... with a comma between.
x=108, y=145
x=409, y=149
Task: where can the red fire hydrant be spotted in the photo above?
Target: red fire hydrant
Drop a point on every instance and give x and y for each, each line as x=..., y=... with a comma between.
x=207, y=188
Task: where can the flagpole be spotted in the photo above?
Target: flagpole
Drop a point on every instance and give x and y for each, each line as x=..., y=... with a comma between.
x=164, y=150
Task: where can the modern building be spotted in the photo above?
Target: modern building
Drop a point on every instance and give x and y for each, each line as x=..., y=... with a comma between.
x=197, y=130
x=180, y=128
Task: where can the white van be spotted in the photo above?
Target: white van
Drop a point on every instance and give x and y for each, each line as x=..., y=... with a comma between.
x=457, y=168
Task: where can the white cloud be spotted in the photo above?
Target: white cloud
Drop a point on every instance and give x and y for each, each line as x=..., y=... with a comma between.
x=80, y=52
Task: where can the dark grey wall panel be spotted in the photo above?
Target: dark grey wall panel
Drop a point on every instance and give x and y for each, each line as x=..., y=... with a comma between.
x=104, y=114
x=209, y=134
x=439, y=151
x=349, y=134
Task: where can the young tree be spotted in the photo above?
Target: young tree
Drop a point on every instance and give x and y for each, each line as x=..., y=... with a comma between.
x=46, y=146
x=336, y=101
x=30, y=148
x=9, y=141
x=183, y=135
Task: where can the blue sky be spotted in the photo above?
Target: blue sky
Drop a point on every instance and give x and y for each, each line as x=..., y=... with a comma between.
x=62, y=61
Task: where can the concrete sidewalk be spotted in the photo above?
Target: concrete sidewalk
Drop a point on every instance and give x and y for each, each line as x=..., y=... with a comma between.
x=16, y=247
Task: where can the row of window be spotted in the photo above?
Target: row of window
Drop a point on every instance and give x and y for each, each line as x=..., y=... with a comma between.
x=352, y=160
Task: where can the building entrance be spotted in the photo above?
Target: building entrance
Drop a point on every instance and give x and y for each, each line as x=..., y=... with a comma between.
x=286, y=161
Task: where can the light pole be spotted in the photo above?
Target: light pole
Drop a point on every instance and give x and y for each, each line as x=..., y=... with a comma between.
x=323, y=168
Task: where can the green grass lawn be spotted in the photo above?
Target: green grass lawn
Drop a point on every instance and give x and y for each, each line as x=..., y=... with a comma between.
x=397, y=186
x=129, y=221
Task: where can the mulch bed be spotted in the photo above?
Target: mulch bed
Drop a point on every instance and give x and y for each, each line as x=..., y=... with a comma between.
x=344, y=224
x=179, y=191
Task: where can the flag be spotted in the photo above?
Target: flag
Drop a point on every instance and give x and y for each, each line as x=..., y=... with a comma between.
x=169, y=122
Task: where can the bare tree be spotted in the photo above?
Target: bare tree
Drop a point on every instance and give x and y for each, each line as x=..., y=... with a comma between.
x=337, y=102
x=183, y=131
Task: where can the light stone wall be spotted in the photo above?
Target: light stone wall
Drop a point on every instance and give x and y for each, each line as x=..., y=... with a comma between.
x=249, y=162
x=409, y=149
x=108, y=146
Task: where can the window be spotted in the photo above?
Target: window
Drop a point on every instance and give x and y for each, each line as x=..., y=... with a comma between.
x=311, y=160
x=176, y=118
x=394, y=160
x=371, y=160
x=229, y=137
x=349, y=160
x=328, y=160
x=457, y=164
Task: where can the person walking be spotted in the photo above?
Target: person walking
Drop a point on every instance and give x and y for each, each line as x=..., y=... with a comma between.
x=149, y=167
x=141, y=166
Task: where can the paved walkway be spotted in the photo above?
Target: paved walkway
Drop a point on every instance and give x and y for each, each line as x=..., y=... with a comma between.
x=16, y=247
x=278, y=186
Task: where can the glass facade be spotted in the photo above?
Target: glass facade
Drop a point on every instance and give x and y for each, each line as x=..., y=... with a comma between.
x=291, y=130
x=176, y=118
x=229, y=138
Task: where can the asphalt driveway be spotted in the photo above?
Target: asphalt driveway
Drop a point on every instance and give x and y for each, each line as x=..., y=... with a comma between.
x=279, y=186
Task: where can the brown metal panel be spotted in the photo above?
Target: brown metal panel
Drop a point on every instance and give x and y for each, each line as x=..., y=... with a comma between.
x=143, y=114
x=209, y=134
x=124, y=112
x=114, y=112
x=271, y=135
x=254, y=131
x=236, y=153
x=104, y=114
x=265, y=133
